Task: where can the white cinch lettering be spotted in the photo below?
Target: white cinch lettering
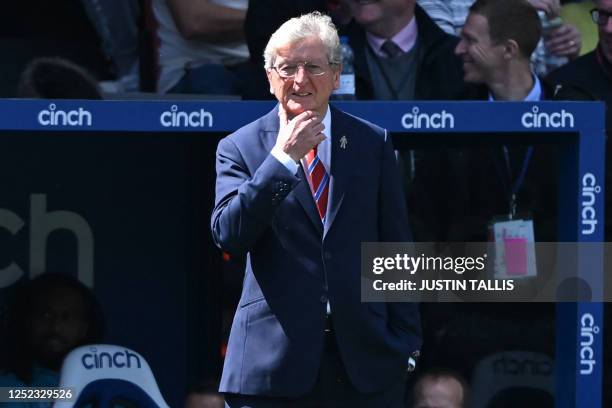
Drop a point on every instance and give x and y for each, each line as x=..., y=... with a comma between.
x=588, y=331
x=119, y=359
x=590, y=189
x=176, y=118
x=537, y=120
x=55, y=117
x=438, y=120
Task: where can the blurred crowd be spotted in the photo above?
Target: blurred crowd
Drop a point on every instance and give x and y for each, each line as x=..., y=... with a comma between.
x=215, y=47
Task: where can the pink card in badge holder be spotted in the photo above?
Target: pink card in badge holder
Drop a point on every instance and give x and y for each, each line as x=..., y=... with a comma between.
x=515, y=254
x=514, y=249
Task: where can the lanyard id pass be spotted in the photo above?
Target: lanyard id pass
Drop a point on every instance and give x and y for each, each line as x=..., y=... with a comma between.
x=512, y=186
x=515, y=255
x=514, y=237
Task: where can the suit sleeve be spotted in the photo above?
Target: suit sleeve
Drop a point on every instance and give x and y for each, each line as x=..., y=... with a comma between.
x=245, y=203
x=404, y=317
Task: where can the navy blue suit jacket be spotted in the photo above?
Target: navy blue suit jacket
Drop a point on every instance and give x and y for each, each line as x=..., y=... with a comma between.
x=295, y=265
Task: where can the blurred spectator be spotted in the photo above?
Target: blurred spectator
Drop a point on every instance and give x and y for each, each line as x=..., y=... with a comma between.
x=560, y=41
x=205, y=395
x=593, y=72
x=496, y=44
x=490, y=182
x=56, y=78
x=47, y=318
x=495, y=48
x=440, y=388
x=38, y=28
x=116, y=22
x=201, y=46
x=400, y=53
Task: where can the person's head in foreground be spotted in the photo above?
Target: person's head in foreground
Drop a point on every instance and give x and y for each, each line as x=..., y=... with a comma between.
x=440, y=388
x=49, y=316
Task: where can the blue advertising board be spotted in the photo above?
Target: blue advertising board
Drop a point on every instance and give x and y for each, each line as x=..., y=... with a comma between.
x=129, y=134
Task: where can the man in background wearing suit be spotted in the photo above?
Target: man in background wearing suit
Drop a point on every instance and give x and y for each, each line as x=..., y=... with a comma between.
x=298, y=191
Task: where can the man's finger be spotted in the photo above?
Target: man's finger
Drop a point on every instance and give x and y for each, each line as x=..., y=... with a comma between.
x=564, y=43
x=308, y=123
x=318, y=128
x=303, y=117
x=564, y=29
x=563, y=34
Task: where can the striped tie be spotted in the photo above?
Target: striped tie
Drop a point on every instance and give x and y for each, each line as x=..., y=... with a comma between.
x=319, y=181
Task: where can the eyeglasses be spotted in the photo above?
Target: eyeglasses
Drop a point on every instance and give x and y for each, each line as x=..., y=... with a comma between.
x=290, y=70
x=600, y=17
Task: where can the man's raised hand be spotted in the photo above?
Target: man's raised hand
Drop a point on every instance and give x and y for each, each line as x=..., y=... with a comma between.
x=297, y=136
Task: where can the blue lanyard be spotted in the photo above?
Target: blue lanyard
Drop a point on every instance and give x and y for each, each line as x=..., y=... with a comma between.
x=512, y=186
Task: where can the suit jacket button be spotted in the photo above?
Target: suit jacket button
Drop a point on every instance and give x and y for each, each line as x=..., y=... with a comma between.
x=327, y=255
x=323, y=299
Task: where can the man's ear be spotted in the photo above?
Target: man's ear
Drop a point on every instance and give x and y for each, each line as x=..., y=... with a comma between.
x=336, y=76
x=511, y=49
x=269, y=75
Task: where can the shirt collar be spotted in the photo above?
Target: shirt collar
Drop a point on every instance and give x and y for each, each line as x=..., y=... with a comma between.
x=324, y=148
x=327, y=123
x=534, y=95
x=405, y=39
x=536, y=92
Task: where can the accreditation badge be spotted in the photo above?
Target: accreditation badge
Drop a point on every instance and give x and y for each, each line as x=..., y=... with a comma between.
x=514, y=245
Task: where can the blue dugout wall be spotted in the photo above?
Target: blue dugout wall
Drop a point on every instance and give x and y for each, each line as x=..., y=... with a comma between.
x=120, y=193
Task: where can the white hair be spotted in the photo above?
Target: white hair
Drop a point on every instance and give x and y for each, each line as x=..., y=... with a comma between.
x=300, y=28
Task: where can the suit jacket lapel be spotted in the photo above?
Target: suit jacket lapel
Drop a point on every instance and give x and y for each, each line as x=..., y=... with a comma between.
x=340, y=166
x=270, y=128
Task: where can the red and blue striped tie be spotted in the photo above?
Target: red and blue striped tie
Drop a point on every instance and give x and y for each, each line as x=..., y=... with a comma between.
x=319, y=181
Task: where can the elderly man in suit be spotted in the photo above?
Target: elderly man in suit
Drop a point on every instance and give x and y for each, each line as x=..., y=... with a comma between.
x=298, y=191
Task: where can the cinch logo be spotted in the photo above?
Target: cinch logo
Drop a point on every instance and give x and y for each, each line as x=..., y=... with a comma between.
x=416, y=120
x=54, y=117
x=40, y=224
x=174, y=118
x=119, y=359
x=535, y=119
x=519, y=366
x=589, y=191
x=588, y=330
